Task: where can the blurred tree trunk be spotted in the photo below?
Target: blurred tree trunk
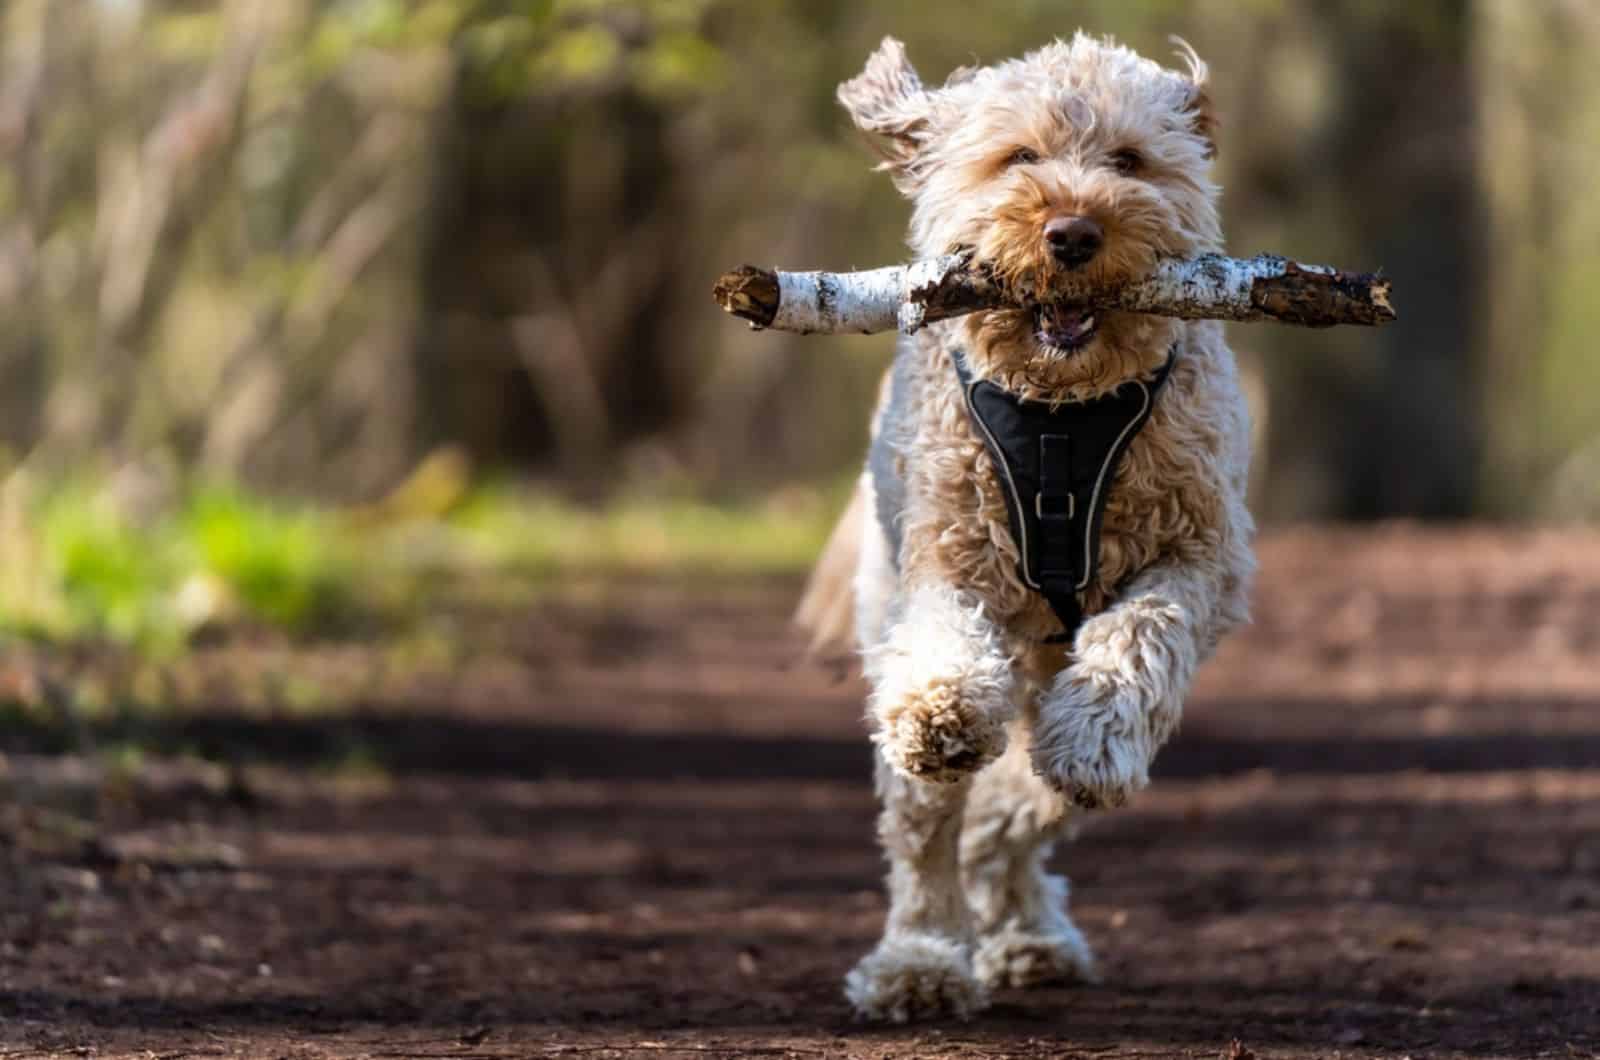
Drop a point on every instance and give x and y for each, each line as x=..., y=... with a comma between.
x=552, y=260
x=570, y=235
x=1354, y=127
x=1414, y=127
x=1539, y=82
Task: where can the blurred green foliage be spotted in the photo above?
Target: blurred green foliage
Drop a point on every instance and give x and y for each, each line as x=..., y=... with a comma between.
x=80, y=563
x=287, y=567
x=93, y=574
x=83, y=567
x=541, y=536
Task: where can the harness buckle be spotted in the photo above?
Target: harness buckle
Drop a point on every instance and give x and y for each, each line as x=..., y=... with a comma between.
x=1054, y=511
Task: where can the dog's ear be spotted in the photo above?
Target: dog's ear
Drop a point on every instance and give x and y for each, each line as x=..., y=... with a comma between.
x=887, y=101
x=1202, y=112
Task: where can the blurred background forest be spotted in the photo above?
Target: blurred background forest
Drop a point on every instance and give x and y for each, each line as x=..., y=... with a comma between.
x=446, y=262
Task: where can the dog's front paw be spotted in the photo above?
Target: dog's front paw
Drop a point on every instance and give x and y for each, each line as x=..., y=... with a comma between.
x=1092, y=741
x=940, y=731
x=943, y=688
x=915, y=976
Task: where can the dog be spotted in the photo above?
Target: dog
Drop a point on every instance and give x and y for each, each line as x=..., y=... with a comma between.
x=1000, y=711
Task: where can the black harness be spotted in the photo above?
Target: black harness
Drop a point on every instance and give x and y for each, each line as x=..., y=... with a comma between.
x=1057, y=464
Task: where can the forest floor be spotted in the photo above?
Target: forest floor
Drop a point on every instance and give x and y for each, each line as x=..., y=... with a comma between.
x=638, y=822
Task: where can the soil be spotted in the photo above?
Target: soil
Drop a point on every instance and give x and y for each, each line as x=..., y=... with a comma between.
x=645, y=829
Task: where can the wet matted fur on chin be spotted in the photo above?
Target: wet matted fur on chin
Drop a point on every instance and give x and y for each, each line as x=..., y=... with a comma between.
x=1080, y=158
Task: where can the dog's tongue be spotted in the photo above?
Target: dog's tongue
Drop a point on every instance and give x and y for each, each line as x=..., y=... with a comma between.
x=1065, y=325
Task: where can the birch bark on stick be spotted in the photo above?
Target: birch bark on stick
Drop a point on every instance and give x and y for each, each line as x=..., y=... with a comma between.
x=1208, y=287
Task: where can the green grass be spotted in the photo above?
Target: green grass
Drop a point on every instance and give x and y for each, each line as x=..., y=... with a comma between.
x=288, y=567
x=546, y=537
x=79, y=566
x=82, y=567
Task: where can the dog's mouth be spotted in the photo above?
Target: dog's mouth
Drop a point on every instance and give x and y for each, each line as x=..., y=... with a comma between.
x=1065, y=328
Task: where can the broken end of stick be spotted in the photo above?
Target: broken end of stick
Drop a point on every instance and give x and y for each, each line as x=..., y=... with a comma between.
x=750, y=293
x=1382, y=306
x=1320, y=298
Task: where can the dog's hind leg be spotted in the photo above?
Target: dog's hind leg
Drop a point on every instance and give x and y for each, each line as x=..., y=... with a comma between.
x=1024, y=935
x=922, y=967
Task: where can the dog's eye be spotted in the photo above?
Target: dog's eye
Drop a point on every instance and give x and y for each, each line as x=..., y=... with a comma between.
x=1022, y=156
x=1127, y=161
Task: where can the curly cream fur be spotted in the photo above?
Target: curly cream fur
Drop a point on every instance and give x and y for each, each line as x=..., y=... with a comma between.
x=1019, y=910
x=942, y=685
x=950, y=634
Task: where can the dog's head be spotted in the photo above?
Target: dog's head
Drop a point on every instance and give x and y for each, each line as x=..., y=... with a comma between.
x=1078, y=159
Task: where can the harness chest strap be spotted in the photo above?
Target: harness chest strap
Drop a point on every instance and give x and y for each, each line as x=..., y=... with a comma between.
x=1056, y=465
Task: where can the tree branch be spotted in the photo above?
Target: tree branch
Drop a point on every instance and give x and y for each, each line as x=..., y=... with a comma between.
x=1208, y=287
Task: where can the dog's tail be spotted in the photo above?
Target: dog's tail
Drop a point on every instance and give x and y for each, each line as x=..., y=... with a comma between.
x=827, y=607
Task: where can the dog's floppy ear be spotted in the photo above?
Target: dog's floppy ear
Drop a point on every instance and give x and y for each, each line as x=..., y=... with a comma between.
x=1202, y=113
x=887, y=100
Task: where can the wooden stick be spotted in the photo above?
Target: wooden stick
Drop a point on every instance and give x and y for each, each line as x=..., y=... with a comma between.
x=1208, y=287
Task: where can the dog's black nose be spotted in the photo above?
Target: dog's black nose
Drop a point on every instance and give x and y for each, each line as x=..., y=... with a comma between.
x=1074, y=240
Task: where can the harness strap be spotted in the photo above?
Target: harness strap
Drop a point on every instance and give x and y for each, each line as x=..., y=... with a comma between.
x=1057, y=464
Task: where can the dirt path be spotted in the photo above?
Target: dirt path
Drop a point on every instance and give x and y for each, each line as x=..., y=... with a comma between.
x=648, y=833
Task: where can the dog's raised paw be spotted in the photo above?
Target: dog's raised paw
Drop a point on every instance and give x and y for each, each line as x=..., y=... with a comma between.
x=939, y=732
x=1013, y=958
x=915, y=977
x=1092, y=743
